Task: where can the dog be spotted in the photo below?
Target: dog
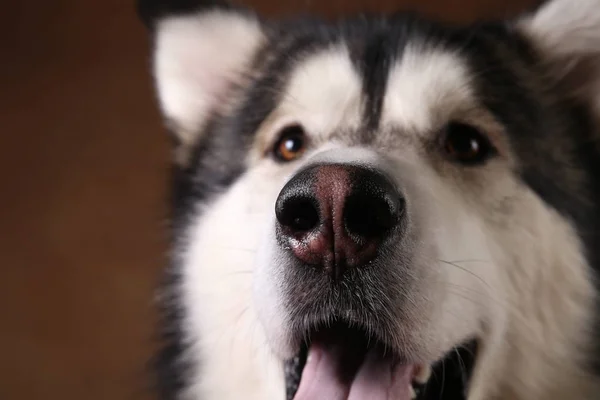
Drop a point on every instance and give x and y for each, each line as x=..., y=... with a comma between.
x=380, y=206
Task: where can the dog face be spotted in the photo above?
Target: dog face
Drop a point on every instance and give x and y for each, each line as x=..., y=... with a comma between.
x=381, y=193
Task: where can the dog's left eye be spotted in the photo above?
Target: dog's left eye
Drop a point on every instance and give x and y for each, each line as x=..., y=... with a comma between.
x=466, y=144
x=291, y=144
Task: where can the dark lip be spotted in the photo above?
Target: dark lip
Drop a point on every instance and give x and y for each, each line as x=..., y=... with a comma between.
x=449, y=380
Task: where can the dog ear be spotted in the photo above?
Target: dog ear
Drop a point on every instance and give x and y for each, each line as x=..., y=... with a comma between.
x=201, y=50
x=567, y=34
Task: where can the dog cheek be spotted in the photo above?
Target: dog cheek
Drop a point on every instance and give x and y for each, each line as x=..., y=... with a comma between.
x=268, y=295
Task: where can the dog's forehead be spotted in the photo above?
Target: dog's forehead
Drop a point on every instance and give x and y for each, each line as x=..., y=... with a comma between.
x=410, y=85
x=324, y=91
x=426, y=87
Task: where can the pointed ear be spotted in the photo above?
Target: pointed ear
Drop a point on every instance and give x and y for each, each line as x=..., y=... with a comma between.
x=202, y=53
x=567, y=33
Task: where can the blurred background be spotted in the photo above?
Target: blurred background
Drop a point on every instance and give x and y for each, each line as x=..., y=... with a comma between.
x=83, y=160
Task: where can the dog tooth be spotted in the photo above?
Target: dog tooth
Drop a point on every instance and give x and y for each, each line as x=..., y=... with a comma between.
x=413, y=394
x=423, y=374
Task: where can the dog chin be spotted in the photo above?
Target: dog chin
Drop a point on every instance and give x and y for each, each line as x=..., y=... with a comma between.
x=346, y=358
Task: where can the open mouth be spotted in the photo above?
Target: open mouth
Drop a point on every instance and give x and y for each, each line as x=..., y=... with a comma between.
x=342, y=362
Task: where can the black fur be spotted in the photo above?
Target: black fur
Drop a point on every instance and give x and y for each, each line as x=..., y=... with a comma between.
x=373, y=55
x=538, y=114
x=509, y=83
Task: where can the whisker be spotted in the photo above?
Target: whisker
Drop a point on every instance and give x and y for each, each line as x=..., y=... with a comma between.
x=461, y=365
x=467, y=271
x=470, y=260
x=468, y=350
x=443, y=381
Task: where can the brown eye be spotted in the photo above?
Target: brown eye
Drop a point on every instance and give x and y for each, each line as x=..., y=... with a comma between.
x=291, y=144
x=466, y=144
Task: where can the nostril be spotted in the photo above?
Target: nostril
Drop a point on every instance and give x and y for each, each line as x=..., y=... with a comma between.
x=370, y=215
x=299, y=214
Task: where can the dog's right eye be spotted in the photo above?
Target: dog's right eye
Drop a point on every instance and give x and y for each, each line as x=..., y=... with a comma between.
x=290, y=145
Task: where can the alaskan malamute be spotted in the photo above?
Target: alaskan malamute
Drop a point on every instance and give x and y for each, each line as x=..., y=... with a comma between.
x=382, y=207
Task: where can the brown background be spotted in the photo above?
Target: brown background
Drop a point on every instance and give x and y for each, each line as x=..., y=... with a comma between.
x=82, y=178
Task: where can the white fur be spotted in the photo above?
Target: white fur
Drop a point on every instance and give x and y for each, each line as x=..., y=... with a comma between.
x=324, y=92
x=568, y=32
x=543, y=309
x=520, y=282
x=524, y=289
x=199, y=58
x=425, y=89
x=223, y=244
x=323, y=95
x=229, y=345
x=566, y=27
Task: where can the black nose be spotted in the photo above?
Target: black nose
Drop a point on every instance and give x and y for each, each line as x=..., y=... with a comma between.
x=337, y=216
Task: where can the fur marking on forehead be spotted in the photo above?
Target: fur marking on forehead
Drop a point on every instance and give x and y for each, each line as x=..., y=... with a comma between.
x=425, y=87
x=323, y=92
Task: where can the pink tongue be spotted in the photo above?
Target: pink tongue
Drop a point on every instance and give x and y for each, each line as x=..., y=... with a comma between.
x=376, y=379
